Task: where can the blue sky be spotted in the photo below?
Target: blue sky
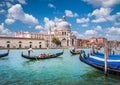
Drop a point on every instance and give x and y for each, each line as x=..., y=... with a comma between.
x=88, y=18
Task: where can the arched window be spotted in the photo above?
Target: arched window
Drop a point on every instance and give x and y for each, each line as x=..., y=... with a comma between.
x=62, y=33
x=20, y=42
x=8, y=41
x=65, y=33
x=30, y=44
x=63, y=39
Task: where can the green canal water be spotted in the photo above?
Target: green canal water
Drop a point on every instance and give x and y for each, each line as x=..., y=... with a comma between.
x=64, y=70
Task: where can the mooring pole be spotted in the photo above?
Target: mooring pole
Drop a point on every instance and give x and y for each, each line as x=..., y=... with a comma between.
x=105, y=57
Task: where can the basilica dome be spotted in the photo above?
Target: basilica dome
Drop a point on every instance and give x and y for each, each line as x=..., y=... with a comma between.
x=63, y=25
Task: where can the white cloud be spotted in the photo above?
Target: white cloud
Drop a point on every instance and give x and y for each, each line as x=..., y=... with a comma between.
x=78, y=35
x=49, y=24
x=112, y=37
x=102, y=15
x=2, y=4
x=29, y=26
x=113, y=30
x=117, y=23
x=2, y=11
x=98, y=28
x=4, y=31
x=9, y=21
x=22, y=1
x=51, y=5
x=16, y=13
x=46, y=19
x=91, y=32
x=57, y=20
x=103, y=3
x=118, y=14
x=102, y=12
x=8, y=4
x=112, y=33
x=85, y=25
x=11, y=0
x=42, y=31
x=82, y=20
x=69, y=13
x=38, y=27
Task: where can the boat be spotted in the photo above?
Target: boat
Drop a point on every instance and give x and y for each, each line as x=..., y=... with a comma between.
x=75, y=52
x=44, y=56
x=97, y=61
x=4, y=54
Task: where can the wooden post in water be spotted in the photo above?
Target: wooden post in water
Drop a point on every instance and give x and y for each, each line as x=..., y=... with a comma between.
x=92, y=47
x=105, y=57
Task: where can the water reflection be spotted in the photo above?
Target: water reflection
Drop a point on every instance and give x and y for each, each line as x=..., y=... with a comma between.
x=97, y=77
x=4, y=58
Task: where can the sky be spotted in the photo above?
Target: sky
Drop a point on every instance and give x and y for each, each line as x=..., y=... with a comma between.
x=87, y=18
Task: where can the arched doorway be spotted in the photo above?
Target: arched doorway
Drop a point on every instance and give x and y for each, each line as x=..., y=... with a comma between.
x=72, y=42
x=40, y=45
x=8, y=44
x=30, y=44
x=20, y=44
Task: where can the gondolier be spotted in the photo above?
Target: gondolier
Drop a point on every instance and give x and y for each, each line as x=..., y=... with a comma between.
x=29, y=50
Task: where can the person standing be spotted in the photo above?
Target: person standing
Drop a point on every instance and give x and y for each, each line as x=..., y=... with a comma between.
x=29, y=50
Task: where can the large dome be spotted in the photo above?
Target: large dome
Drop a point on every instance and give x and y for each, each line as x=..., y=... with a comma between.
x=63, y=25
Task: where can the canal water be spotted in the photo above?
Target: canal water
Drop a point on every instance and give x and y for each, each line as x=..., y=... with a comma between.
x=64, y=70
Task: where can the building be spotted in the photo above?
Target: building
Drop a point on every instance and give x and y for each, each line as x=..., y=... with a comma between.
x=86, y=43
x=18, y=42
x=62, y=31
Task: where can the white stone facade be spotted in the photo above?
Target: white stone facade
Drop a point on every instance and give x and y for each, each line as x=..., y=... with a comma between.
x=16, y=42
x=62, y=31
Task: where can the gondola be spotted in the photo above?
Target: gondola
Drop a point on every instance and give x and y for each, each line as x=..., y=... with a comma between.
x=75, y=52
x=97, y=61
x=44, y=56
x=5, y=54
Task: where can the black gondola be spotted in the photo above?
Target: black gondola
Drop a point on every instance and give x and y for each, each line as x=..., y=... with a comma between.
x=5, y=54
x=113, y=66
x=75, y=52
x=44, y=56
